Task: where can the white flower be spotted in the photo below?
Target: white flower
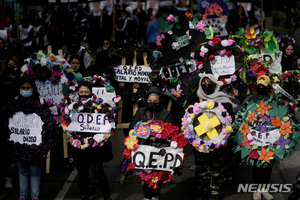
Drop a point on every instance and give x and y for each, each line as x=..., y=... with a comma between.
x=70, y=107
x=203, y=49
x=203, y=104
x=80, y=108
x=191, y=25
x=98, y=138
x=113, y=125
x=24, y=68
x=170, y=32
x=224, y=43
x=72, y=88
x=27, y=60
x=63, y=79
x=43, y=62
x=174, y=144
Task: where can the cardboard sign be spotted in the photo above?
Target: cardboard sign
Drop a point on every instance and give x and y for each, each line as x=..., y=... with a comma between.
x=132, y=74
x=218, y=26
x=26, y=129
x=177, y=70
x=263, y=139
x=91, y=123
x=48, y=91
x=223, y=65
x=147, y=157
x=272, y=60
x=107, y=97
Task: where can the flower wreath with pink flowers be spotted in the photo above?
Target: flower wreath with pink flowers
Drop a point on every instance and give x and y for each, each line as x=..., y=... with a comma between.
x=142, y=131
x=214, y=125
x=91, y=105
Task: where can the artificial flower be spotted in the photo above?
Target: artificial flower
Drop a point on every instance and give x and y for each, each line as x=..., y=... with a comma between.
x=189, y=15
x=245, y=129
x=253, y=154
x=276, y=121
x=200, y=26
x=263, y=108
x=246, y=142
x=211, y=57
x=177, y=92
x=222, y=52
x=285, y=128
x=171, y=18
x=215, y=41
x=282, y=142
x=127, y=153
x=265, y=155
x=251, y=117
x=228, y=53
x=180, y=139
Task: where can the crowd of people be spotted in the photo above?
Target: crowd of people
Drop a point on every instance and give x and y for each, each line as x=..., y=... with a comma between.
x=88, y=34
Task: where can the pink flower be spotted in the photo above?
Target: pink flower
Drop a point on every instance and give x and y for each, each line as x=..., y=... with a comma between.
x=201, y=54
x=78, y=144
x=196, y=108
x=233, y=77
x=201, y=26
x=171, y=18
x=177, y=92
x=222, y=52
x=158, y=135
x=230, y=42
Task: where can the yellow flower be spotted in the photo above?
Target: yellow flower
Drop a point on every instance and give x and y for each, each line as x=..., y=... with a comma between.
x=192, y=116
x=210, y=104
x=83, y=146
x=228, y=129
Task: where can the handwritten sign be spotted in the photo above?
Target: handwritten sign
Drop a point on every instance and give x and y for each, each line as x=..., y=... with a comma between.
x=91, y=123
x=132, y=74
x=218, y=26
x=181, y=41
x=272, y=60
x=177, y=70
x=107, y=97
x=223, y=65
x=164, y=159
x=25, y=129
x=48, y=91
x=263, y=139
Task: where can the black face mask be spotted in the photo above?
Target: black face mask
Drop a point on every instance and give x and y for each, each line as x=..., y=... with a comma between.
x=13, y=70
x=152, y=106
x=84, y=96
x=208, y=89
x=263, y=90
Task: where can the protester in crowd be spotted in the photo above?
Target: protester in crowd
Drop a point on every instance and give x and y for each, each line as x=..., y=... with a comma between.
x=3, y=32
x=121, y=28
x=8, y=27
x=153, y=111
x=153, y=31
x=76, y=64
x=26, y=34
x=17, y=49
x=89, y=158
x=73, y=47
x=133, y=24
x=141, y=15
x=263, y=90
x=210, y=186
x=3, y=51
x=289, y=61
x=256, y=13
x=39, y=33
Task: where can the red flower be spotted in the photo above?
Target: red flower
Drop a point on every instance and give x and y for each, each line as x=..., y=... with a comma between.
x=168, y=66
x=224, y=81
x=166, y=177
x=211, y=57
x=253, y=154
x=169, y=130
x=130, y=166
x=126, y=153
x=228, y=53
x=199, y=63
x=164, y=79
x=180, y=139
x=216, y=40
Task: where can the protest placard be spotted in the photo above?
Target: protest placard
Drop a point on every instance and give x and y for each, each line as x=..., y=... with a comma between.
x=218, y=26
x=132, y=74
x=25, y=129
x=49, y=91
x=107, y=97
x=223, y=65
x=92, y=123
x=164, y=159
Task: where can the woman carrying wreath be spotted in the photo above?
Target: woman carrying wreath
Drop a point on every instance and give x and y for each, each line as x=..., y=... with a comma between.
x=30, y=130
x=90, y=157
x=263, y=90
x=153, y=111
x=209, y=183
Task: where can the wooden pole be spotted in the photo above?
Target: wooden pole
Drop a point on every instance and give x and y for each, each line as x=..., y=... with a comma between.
x=114, y=20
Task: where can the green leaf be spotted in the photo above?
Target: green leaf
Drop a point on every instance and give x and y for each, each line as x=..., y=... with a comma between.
x=255, y=146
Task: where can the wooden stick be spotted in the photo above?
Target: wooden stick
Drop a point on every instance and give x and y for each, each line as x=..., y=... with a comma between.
x=145, y=59
x=118, y=129
x=48, y=163
x=134, y=59
x=169, y=105
x=60, y=52
x=49, y=49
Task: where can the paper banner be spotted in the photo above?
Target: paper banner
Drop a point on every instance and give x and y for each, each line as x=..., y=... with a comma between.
x=163, y=159
x=272, y=60
x=218, y=26
x=173, y=71
x=92, y=123
x=26, y=129
x=107, y=97
x=263, y=139
x=132, y=74
x=279, y=89
x=48, y=91
x=223, y=65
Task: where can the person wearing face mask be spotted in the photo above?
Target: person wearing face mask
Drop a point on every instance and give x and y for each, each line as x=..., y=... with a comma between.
x=89, y=159
x=209, y=181
x=263, y=90
x=153, y=111
x=29, y=103
x=9, y=73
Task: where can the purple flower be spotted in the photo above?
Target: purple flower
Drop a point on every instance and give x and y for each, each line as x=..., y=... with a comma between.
x=216, y=104
x=189, y=135
x=282, y=142
x=56, y=68
x=222, y=52
x=263, y=129
x=53, y=80
x=251, y=73
x=224, y=114
x=204, y=4
x=70, y=76
x=190, y=110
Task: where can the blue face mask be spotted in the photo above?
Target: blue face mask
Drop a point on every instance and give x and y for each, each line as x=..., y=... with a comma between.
x=26, y=93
